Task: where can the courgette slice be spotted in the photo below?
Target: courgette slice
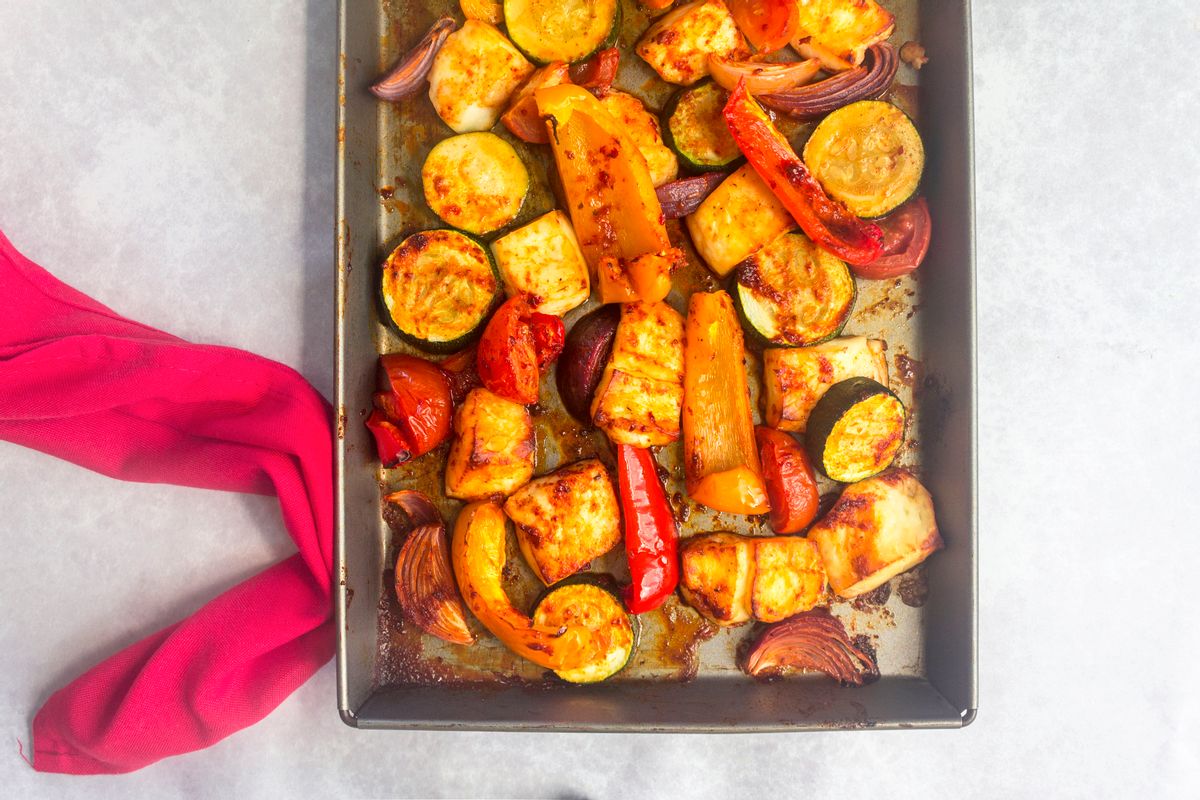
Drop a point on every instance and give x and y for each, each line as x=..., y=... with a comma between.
x=562, y=30
x=584, y=600
x=695, y=128
x=868, y=155
x=792, y=293
x=855, y=430
x=438, y=288
x=475, y=182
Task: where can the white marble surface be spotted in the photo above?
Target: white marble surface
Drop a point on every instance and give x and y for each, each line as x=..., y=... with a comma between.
x=175, y=160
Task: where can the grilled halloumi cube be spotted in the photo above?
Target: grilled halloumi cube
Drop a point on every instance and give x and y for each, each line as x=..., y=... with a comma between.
x=878, y=528
x=543, y=261
x=566, y=519
x=715, y=576
x=643, y=129
x=473, y=76
x=640, y=395
x=677, y=46
x=788, y=577
x=740, y=217
x=840, y=31
x=492, y=453
x=795, y=378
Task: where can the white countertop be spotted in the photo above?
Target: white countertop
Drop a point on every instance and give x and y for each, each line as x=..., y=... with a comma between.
x=175, y=161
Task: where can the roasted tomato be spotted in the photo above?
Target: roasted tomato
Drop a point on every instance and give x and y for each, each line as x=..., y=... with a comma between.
x=549, y=334
x=791, y=482
x=414, y=415
x=516, y=344
x=768, y=24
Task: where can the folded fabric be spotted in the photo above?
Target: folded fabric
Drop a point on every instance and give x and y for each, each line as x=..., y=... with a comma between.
x=82, y=383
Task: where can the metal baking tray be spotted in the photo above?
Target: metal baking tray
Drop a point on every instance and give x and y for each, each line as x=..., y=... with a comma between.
x=683, y=677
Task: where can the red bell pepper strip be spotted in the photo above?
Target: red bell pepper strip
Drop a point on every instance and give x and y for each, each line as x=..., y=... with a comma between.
x=516, y=344
x=390, y=442
x=791, y=482
x=824, y=220
x=651, y=540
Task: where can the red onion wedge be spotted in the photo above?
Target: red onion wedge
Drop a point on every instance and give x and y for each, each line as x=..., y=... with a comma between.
x=906, y=234
x=425, y=584
x=599, y=71
x=584, y=356
x=408, y=76
x=813, y=640
x=682, y=197
x=762, y=77
x=869, y=81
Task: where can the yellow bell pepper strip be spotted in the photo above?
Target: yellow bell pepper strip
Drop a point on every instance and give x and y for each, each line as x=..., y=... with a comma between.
x=720, y=457
x=478, y=555
x=610, y=196
x=823, y=219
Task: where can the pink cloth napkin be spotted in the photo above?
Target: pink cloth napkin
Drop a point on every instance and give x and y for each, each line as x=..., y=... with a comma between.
x=82, y=383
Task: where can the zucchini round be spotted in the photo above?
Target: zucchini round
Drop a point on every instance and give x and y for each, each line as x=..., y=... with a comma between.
x=562, y=30
x=582, y=599
x=855, y=430
x=438, y=288
x=475, y=182
x=792, y=293
x=695, y=128
x=868, y=155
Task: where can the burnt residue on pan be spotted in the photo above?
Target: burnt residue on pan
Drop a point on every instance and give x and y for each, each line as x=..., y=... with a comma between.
x=914, y=587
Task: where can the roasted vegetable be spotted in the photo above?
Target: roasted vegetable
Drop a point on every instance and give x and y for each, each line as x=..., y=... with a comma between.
x=730, y=579
x=855, y=430
x=677, y=46
x=542, y=261
x=651, y=538
x=878, y=528
x=554, y=30
x=587, y=604
x=424, y=577
x=639, y=397
x=437, y=289
x=696, y=130
x=565, y=519
x=413, y=416
x=517, y=345
x=761, y=77
x=741, y=216
x=827, y=222
x=792, y=292
x=475, y=182
x=791, y=482
x=478, y=556
x=716, y=571
x=610, y=196
x=642, y=128
x=815, y=100
x=408, y=76
x=840, y=31
x=599, y=71
x=719, y=454
x=794, y=379
x=812, y=641
x=473, y=76
x=768, y=24
x=522, y=118
x=683, y=197
x=585, y=355
x=492, y=453
x=868, y=155
x=906, y=234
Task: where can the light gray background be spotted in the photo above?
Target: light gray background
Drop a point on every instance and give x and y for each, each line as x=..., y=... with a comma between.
x=175, y=161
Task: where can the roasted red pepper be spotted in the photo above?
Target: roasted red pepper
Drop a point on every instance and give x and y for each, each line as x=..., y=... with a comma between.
x=516, y=344
x=651, y=540
x=413, y=416
x=824, y=220
x=791, y=482
x=599, y=71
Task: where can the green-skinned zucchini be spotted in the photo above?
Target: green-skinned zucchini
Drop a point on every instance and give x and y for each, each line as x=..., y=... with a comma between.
x=695, y=128
x=438, y=288
x=475, y=182
x=587, y=599
x=868, y=155
x=562, y=30
x=792, y=293
x=855, y=430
